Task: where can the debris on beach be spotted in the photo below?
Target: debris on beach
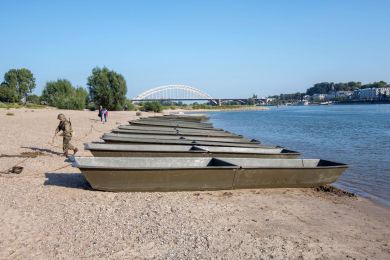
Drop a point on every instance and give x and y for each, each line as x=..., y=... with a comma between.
x=15, y=170
x=24, y=154
x=334, y=190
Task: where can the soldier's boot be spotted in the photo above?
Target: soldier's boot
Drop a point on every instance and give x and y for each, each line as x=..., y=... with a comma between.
x=75, y=150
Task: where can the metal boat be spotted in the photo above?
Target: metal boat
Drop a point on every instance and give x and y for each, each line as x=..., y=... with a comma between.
x=135, y=150
x=170, y=129
x=176, y=174
x=185, y=137
x=173, y=124
x=112, y=138
x=189, y=117
x=173, y=119
x=187, y=133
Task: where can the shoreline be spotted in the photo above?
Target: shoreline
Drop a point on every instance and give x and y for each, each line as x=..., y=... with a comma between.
x=358, y=191
x=49, y=210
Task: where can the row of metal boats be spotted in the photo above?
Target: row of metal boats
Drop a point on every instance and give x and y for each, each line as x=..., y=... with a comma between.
x=185, y=152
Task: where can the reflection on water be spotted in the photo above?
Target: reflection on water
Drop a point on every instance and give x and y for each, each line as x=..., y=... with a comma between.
x=358, y=135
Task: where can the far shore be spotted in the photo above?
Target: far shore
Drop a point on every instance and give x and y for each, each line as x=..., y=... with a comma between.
x=50, y=211
x=243, y=108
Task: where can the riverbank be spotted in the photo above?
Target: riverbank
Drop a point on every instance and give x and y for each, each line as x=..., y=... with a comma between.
x=50, y=211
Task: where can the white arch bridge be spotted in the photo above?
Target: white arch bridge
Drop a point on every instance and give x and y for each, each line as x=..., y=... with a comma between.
x=181, y=92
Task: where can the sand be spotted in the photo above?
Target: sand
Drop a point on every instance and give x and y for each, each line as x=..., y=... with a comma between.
x=47, y=213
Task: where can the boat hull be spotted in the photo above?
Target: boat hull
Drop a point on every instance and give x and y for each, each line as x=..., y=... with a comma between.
x=158, y=180
x=180, y=174
x=285, y=178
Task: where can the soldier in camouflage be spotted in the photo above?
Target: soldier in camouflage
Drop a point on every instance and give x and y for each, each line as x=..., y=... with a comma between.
x=66, y=127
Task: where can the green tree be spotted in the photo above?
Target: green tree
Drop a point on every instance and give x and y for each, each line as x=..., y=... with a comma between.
x=380, y=84
x=320, y=88
x=250, y=101
x=8, y=94
x=55, y=91
x=107, y=88
x=62, y=94
x=20, y=80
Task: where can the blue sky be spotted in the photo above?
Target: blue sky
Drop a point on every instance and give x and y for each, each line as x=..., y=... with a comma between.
x=226, y=48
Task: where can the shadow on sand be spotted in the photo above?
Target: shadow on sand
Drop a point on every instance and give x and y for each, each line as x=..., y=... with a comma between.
x=36, y=149
x=68, y=180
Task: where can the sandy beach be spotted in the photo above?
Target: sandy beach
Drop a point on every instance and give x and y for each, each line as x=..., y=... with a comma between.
x=49, y=210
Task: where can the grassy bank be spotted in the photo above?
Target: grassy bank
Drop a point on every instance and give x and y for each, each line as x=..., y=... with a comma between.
x=17, y=105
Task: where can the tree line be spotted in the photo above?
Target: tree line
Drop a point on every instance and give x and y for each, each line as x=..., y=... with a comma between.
x=106, y=88
x=326, y=87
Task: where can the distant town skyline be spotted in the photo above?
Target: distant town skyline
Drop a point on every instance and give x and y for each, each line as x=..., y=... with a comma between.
x=224, y=48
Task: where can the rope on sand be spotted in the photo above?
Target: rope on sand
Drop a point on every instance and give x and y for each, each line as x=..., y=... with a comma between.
x=9, y=170
x=17, y=164
x=33, y=175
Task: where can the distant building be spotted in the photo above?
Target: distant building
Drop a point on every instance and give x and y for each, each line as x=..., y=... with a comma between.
x=333, y=95
x=384, y=92
x=318, y=97
x=342, y=94
x=372, y=93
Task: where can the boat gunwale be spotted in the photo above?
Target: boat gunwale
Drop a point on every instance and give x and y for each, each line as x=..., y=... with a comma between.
x=174, y=126
x=224, y=160
x=210, y=167
x=190, y=151
x=202, y=143
x=176, y=133
x=170, y=128
x=240, y=140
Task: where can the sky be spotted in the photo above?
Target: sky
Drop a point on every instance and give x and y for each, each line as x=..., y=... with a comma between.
x=228, y=49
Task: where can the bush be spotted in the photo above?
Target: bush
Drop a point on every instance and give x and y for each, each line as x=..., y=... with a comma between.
x=152, y=106
x=72, y=102
x=10, y=105
x=35, y=106
x=130, y=105
x=34, y=99
x=91, y=106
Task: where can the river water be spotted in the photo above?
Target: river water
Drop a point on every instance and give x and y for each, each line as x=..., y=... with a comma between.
x=358, y=135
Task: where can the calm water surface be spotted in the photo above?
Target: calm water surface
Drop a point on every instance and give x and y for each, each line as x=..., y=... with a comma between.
x=358, y=135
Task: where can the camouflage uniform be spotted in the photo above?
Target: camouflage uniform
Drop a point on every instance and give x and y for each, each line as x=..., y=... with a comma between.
x=66, y=127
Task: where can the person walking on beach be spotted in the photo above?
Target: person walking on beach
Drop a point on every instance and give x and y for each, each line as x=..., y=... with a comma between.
x=66, y=127
x=101, y=113
x=104, y=113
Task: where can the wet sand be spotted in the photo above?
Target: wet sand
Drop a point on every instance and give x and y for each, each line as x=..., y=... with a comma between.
x=50, y=211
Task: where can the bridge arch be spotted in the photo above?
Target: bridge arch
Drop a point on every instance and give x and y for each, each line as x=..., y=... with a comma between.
x=173, y=92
